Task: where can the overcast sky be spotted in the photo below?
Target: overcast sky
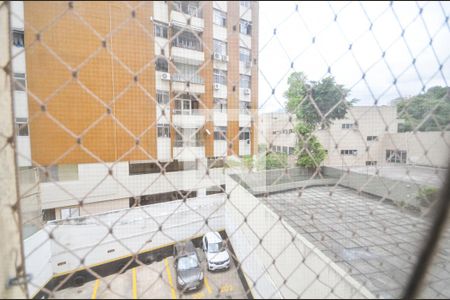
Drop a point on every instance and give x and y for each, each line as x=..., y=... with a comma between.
x=293, y=43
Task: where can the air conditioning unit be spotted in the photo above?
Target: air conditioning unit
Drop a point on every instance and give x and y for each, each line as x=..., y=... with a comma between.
x=165, y=76
x=225, y=58
x=246, y=91
x=216, y=86
x=248, y=64
x=217, y=56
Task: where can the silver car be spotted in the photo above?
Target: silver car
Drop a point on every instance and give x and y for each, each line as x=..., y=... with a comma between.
x=189, y=274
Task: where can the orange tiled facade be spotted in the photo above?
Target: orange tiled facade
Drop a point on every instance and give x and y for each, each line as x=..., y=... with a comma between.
x=92, y=78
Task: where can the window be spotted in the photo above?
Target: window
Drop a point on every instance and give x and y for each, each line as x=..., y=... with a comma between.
x=347, y=126
x=188, y=7
x=65, y=172
x=162, y=97
x=220, y=133
x=71, y=212
x=161, y=30
x=245, y=27
x=291, y=150
x=245, y=55
x=220, y=47
x=48, y=214
x=371, y=163
x=349, y=152
x=372, y=138
x=220, y=104
x=160, y=198
x=245, y=107
x=245, y=4
x=19, y=82
x=244, y=133
x=187, y=72
x=285, y=149
x=143, y=168
x=163, y=131
x=187, y=40
x=162, y=65
x=18, y=38
x=396, y=156
x=21, y=126
x=245, y=81
x=220, y=76
x=220, y=18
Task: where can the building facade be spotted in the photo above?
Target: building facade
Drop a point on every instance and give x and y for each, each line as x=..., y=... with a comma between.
x=366, y=136
x=137, y=87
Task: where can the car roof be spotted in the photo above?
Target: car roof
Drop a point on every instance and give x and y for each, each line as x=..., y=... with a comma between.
x=213, y=237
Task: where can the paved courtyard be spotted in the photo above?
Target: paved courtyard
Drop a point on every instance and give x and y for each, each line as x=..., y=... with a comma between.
x=375, y=242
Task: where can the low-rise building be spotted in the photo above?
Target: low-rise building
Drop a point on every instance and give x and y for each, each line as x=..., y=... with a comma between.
x=366, y=136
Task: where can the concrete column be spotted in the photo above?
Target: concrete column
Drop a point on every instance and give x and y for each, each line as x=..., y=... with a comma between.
x=11, y=250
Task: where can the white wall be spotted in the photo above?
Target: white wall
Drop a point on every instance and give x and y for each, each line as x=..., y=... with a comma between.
x=136, y=228
x=94, y=184
x=17, y=16
x=221, y=92
x=429, y=148
x=160, y=11
x=164, y=149
x=244, y=147
x=298, y=261
x=37, y=251
x=23, y=149
x=219, y=32
x=220, y=148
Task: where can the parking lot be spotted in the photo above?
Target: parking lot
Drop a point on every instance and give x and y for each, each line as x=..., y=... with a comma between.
x=158, y=280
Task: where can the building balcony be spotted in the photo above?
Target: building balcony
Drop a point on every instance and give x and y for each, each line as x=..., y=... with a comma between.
x=188, y=119
x=185, y=55
x=245, y=94
x=186, y=83
x=188, y=151
x=220, y=118
x=244, y=120
x=181, y=19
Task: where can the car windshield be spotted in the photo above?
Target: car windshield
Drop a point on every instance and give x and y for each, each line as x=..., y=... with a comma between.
x=187, y=262
x=215, y=247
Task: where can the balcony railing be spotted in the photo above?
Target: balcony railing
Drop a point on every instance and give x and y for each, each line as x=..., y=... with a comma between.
x=192, y=112
x=187, y=77
x=194, y=143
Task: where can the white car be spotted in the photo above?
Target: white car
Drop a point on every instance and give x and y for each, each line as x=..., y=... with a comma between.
x=216, y=253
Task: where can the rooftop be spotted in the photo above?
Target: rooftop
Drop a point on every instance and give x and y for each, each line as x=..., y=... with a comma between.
x=375, y=242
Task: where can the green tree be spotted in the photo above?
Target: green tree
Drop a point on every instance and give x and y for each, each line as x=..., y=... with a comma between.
x=306, y=98
x=310, y=152
x=314, y=103
x=272, y=160
x=433, y=105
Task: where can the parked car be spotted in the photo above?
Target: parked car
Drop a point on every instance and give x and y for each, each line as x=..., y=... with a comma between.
x=217, y=256
x=189, y=274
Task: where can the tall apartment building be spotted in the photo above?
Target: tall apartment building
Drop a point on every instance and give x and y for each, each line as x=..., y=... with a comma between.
x=124, y=88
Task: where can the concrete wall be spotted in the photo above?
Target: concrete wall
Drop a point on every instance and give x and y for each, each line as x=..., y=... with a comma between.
x=280, y=262
x=387, y=188
x=95, y=185
x=423, y=148
x=37, y=251
x=134, y=230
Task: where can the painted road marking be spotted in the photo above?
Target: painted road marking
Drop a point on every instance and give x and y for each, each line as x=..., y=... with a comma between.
x=227, y=288
x=134, y=283
x=199, y=295
x=207, y=285
x=94, y=292
x=169, y=276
